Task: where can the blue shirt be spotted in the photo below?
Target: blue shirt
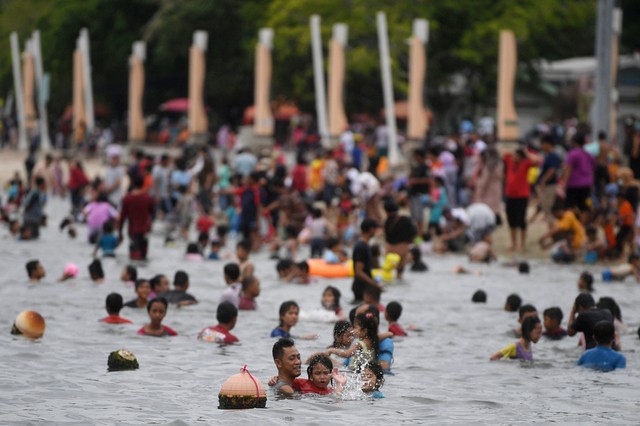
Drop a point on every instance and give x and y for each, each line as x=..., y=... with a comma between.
x=551, y=161
x=278, y=332
x=602, y=358
x=108, y=244
x=385, y=350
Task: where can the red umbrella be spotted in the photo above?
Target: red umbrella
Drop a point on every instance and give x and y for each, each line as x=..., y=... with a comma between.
x=176, y=105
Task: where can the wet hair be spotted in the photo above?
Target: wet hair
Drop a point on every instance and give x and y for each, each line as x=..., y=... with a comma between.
x=319, y=359
x=339, y=329
x=157, y=300
x=232, y=270
x=523, y=267
x=394, y=310
x=588, y=280
x=132, y=272
x=377, y=370
x=31, y=266
x=303, y=266
x=604, y=332
x=368, y=322
x=332, y=242
x=247, y=281
x=528, y=325
x=226, y=312
x=192, y=248
x=284, y=308
x=524, y=309
x=610, y=304
x=141, y=281
x=374, y=292
x=114, y=303
x=418, y=264
x=280, y=345
x=95, y=270
x=479, y=297
x=513, y=303
x=107, y=228
x=554, y=313
x=336, y=295
x=585, y=300
x=244, y=244
x=181, y=279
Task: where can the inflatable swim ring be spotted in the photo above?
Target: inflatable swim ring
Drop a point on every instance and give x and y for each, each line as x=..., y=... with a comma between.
x=320, y=268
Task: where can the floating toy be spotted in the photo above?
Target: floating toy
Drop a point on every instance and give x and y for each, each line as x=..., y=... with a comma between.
x=242, y=391
x=122, y=360
x=29, y=324
x=320, y=268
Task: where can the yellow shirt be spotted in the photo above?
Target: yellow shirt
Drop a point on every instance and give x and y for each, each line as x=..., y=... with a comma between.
x=509, y=351
x=569, y=222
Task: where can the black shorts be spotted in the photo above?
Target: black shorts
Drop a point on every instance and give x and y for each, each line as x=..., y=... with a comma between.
x=577, y=197
x=516, y=209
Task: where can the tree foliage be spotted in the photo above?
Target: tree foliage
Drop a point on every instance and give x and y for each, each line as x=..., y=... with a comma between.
x=463, y=42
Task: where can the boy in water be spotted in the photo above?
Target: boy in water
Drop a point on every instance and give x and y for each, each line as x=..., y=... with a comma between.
x=392, y=314
x=250, y=291
x=602, y=357
x=552, y=320
x=227, y=316
x=179, y=295
x=35, y=270
x=524, y=312
x=232, y=277
x=114, y=306
x=243, y=248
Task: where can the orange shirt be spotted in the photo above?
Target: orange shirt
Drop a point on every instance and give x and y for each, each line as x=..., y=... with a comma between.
x=625, y=213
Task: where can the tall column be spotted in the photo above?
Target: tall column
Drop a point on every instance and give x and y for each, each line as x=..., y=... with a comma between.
x=86, y=79
x=508, y=128
x=17, y=82
x=137, y=127
x=29, y=80
x=604, y=32
x=198, y=123
x=615, y=96
x=42, y=81
x=263, y=117
x=417, y=124
x=79, y=122
x=318, y=78
x=387, y=89
x=337, y=45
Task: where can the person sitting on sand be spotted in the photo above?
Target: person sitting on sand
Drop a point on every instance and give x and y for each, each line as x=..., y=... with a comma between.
x=567, y=228
x=114, y=306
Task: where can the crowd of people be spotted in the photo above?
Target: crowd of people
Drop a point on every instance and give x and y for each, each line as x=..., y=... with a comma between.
x=345, y=206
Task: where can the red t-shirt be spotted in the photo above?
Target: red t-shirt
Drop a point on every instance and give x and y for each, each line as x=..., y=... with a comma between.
x=247, y=304
x=307, y=386
x=137, y=208
x=517, y=184
x=397, y=330
x=217, y=334
x=115, y=319
x=299, y=178
x=166, y=331
x=204, y=224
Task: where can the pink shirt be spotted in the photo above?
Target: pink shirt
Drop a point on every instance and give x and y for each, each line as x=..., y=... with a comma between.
x=99, y=213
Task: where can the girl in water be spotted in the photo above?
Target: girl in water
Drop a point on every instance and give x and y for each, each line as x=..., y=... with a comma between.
x=289, y=311
x=331, y=301
x=321, y=375
x=365, y=348
x=531, y=332
x=157, y=309
x=372, y=380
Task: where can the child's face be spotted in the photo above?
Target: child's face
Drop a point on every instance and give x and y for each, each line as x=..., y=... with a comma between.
x=369, y=381
x=346, y=338
x=358, y=331
x=328, y=301
x=143, y=290
x=320, y=376
x=157, y=312
x=290, y=318
x=283, y=273
x=241, y=254
x=536, y=333
x=39, y=272
x=124, y=276
x=163, y=285
x=550, y=324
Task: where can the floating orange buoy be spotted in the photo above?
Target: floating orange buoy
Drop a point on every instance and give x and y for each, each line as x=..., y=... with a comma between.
x=242, y=391
x=29, y=324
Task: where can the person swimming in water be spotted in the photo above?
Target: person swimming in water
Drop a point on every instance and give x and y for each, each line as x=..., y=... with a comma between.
x=321, y=375
x=157, y=310
x=531, y=332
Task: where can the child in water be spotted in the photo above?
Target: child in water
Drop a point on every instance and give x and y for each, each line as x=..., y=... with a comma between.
x=373, y=379
x=227, y=316
x=107, y=241
x=585, y=282
x=531, y=332
x=129, y=275
x=114, y=305
x=321, y=374
x=143, y=290
x=250, y=291
x=331, y=301
x=289, y=312
x=365, y=348
x=552, y=318
x=157, y=310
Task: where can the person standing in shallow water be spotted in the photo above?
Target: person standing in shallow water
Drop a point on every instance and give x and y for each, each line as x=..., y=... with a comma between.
x=362, y=261
x=137, y=209
x=287, y=360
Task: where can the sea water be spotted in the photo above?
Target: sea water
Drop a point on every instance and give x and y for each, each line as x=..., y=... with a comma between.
x=440, y=375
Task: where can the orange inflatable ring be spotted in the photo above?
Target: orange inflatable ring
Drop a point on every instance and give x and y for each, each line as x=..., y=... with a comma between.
x=320, y=268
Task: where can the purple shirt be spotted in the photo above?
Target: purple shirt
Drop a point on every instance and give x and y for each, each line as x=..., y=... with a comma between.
x=521, y=353
x=582, y=166
x=98, y=213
